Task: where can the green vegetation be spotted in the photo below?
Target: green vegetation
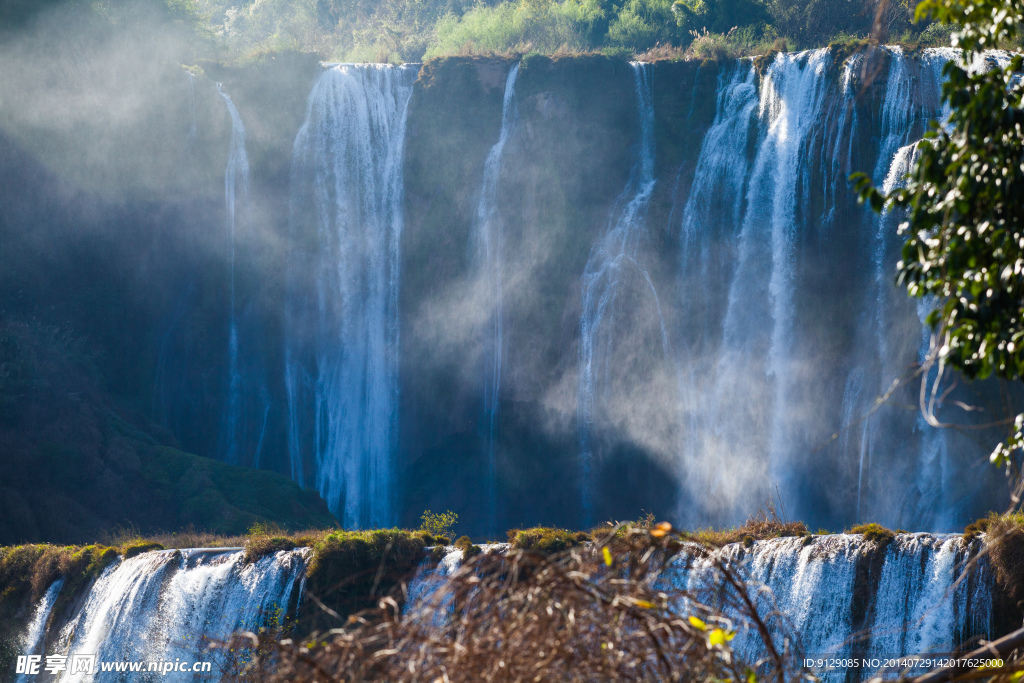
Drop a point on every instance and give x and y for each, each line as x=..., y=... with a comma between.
x=964, y=222
x=140, y=546
x=439, y=526
x=874, y=532
x=412, y=30
x=547, y=540
x=468, y=548
x=407, y=30
x=263, y=540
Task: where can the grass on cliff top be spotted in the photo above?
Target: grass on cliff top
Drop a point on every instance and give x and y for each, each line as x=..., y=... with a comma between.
x=764, y=524
x=547, y=540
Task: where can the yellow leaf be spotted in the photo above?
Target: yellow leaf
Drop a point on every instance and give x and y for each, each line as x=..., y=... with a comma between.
x=697, y=623
x=607, y=556
x=718, y=637
x=751, y=676
x=644, y=603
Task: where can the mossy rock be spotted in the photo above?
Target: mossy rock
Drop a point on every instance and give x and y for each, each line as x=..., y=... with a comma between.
x=468, y=548
x=138, y=547
x=547, y=540
x=875, y=532
x=258, y=547
x=978, y=527
x=351, y=570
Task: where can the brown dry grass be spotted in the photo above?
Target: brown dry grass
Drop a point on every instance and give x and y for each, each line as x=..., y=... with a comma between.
x=599, y=612
x=766, y=523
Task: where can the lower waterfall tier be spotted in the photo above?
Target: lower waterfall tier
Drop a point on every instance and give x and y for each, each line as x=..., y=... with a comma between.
x=840, y=598
x=172, y=606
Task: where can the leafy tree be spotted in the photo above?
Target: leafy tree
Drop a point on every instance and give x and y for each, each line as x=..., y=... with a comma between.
x=964, y=204
x=718, y=16
x=439, y=523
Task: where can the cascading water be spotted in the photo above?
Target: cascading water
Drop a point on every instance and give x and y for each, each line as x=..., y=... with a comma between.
x=341, y=348
x=754, y=369
x=718, y=190
x=236, y=173
x=428, y=598
x=35, y=636
x=904, y=112
x=169, y=605
x=789, y=316
x=488, y=242
x=615, y=253
x=791, y=100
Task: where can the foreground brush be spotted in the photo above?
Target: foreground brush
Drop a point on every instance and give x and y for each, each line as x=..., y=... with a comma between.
x=603, y=611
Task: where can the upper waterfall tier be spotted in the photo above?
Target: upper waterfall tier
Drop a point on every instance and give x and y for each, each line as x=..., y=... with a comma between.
x=537, y=291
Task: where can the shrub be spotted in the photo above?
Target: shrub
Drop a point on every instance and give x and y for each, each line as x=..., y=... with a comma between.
x=760, y=526
x=258, y=547
x=509, y=27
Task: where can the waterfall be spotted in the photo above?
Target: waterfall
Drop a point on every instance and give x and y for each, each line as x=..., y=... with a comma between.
x=790, y=325
x=488, y=241
x=35, y=636
x=791, y=101
x=718, y=190
x=237, y=171
x=615, y=253
x=342, y=326
x=168, y=605
x=742, y=424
